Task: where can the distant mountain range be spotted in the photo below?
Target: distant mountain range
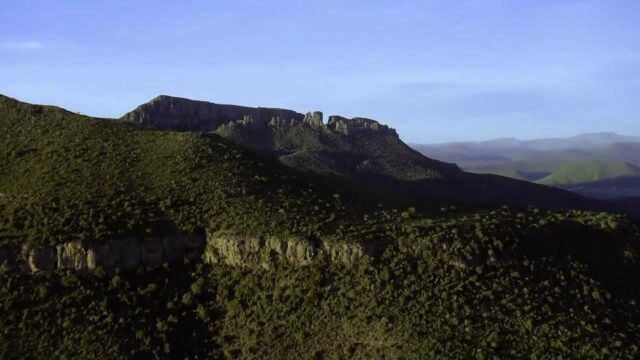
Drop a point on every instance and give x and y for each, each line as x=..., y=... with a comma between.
x=585, y=160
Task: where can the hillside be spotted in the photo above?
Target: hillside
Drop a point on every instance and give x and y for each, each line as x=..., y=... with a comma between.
x=583, y=172
x=279, y=276
x=362, y=151
x=79, y=178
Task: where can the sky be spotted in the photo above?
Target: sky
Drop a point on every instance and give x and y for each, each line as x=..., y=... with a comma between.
x=436, y=71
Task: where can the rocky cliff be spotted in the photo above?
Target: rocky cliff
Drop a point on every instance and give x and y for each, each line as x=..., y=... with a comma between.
x=128, y=253
x=174, y=113
x=259, y=251
x=350, y=126
x=124, y=253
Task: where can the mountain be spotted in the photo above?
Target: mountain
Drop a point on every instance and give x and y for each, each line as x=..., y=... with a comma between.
x=582, y=141
x=360, y=150
x=118, y=241
x=503, y=152
x=347, y=147
x=558, y=162
x=583, y=172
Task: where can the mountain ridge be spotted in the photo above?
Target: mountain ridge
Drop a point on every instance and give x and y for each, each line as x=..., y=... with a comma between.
x=359, y=149
x=339, y=147
x=210, y=115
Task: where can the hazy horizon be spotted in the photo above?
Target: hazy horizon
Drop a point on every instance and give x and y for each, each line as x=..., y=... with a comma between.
x=437, y=73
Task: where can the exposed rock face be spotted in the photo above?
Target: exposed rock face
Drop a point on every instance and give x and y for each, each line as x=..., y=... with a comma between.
x=125, y=253
x=261, y=252
x=172, y=113
x=129, y=253
x=72, y=256
x=356, y=125
x=314, y=118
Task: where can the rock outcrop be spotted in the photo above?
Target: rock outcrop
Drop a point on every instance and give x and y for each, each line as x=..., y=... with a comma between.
x=314, y=118
x=173, y=113
x=263, y=251
x=128, y=253
x=352, y=126
x=124, y=253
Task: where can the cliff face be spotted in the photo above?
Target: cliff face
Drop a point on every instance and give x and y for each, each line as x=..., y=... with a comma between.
x=357, y=125
x=124, y=253
x=129, y=253
x=173, y=113
x=263, y=251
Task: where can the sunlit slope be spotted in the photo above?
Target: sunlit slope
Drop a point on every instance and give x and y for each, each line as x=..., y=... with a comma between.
x=584, y=172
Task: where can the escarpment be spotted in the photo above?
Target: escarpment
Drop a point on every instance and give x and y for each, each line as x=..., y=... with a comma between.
x=128, y=253
x=258, y=251
x=122, y=253
x=174, y=113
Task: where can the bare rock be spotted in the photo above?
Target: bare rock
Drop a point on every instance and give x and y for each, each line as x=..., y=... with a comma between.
x=72, y=256
x=314, y=119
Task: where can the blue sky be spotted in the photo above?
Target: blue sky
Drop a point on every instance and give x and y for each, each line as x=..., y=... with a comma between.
x=435, y=70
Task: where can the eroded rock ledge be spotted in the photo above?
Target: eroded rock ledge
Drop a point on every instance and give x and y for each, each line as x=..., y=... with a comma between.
x=262, y=251
x=124, y=253
x=174, y=113
x=130, y=253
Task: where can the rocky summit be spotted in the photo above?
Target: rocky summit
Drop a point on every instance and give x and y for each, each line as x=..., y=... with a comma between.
x=180, y=114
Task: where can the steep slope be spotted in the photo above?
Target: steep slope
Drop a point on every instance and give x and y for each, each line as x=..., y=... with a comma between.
x=584, y=172
x=361, y=150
